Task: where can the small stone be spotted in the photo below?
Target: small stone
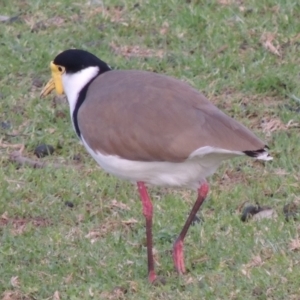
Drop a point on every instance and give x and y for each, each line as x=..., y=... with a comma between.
x=291, y=211
x=59, y=114
x=249, y=212
x=43, y=150
x=257, y=291
x=5, y=125
x=159, y=281
x=38, y=26
x=37, y=82
x=77, y=157
x=196, y=220
x=69, y=204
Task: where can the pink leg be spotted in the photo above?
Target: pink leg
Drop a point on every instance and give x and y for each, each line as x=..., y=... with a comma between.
x=148, y=214
x=178, y=257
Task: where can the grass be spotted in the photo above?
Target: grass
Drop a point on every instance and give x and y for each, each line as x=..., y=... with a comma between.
x=96, y=249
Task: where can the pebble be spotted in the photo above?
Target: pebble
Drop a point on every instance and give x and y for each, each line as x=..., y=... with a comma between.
x=43, y=150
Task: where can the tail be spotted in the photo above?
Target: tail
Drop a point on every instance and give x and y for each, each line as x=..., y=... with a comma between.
x=260, y=154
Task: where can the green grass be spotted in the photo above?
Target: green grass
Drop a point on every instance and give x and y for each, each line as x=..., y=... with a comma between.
x=89, y=251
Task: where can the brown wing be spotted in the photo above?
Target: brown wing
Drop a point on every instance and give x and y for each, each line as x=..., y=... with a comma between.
x=149, y=117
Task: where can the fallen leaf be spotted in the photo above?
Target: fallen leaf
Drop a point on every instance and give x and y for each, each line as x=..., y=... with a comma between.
x=91, y=293
x=275, y=9
x=256, y=261
x=189, y=280
x=51, y=130
x=93, y=234
x=4, y=217
x=80, y=218
x=294, y=245
x=115, y=203
x=69, y=279
x=130, y=221
x=281, y=172
x=165, y=28
x=246, y=273
x=19, y=229
x=18, y=146
x=295, y=39
x=272, y=124
x=56, y=21
x=219, y=50
x=119, y=292
x=14, y=281
x=106, y=227
x=56, y=296
x=156, y=256
x=267, y=39
x=133, y=286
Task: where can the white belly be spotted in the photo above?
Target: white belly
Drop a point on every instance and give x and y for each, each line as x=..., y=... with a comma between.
x=190, y=173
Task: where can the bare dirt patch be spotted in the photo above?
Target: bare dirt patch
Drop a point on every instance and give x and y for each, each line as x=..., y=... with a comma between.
x=19, y=224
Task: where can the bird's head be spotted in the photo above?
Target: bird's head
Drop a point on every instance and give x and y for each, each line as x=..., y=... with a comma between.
x=73, y=67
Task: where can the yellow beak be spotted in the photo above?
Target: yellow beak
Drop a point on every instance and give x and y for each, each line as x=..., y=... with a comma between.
x=55, y=82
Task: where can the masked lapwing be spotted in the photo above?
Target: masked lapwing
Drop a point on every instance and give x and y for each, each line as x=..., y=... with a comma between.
x=150, y=129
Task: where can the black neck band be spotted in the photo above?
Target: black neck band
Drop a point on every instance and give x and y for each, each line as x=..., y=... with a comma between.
x=80, y=100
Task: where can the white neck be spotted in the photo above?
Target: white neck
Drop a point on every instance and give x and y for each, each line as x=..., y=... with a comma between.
x=74, y=83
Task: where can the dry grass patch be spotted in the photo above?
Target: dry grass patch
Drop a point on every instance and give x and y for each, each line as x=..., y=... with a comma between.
x=135, y=51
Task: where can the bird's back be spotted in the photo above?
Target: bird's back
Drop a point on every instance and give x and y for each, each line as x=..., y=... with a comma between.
x=150, y=117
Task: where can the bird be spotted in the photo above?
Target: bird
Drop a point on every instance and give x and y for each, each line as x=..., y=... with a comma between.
x=150, y=129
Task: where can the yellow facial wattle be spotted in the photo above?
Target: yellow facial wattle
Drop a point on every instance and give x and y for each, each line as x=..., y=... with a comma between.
x=55, y=82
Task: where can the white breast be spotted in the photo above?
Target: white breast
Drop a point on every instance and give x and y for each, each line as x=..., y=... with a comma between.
x=201, y=163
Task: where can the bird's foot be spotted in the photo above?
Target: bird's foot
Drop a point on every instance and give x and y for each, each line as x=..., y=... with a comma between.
x=178, y=257
x=152, y=276
x=156, y=280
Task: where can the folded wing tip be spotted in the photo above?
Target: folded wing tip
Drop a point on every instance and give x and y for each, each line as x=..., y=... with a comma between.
x=261, y=154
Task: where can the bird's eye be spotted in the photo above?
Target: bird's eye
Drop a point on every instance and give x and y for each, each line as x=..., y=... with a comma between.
x=60, y=69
